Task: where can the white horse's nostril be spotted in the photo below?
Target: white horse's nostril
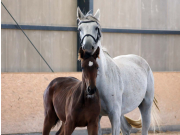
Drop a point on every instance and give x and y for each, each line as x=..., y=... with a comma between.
x=83, y=47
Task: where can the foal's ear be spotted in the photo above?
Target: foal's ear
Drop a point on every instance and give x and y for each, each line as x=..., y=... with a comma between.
x=80, y=54
x=80, y=15
x=96, y=53
x=97, y=15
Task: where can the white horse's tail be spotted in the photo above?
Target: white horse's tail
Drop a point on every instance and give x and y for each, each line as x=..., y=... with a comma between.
x=154, y=117
x=134, y=123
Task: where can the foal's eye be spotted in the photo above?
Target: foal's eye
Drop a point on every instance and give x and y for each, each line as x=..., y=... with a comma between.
x=96, y=28
x=79, y=30
x=82, y=68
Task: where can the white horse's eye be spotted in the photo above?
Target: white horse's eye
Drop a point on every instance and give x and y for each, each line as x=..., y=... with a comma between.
x=96, y=28
x=79, y=29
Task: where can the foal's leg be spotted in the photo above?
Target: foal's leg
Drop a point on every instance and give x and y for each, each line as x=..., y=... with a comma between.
x=68, y=130
x=49, y=121
x=92, y=128
x=115, y=121
x=69, y=126
x=99, y=126
x=61, y=130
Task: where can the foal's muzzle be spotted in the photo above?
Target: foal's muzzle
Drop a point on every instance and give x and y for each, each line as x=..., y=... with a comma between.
x=91, y=91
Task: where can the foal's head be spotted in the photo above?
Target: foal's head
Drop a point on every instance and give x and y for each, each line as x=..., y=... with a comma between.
x=89, y=70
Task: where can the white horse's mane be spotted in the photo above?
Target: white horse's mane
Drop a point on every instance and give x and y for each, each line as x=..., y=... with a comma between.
x=106, y=51
x=89, y=17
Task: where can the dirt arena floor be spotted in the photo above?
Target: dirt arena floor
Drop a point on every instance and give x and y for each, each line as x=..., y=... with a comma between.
x=165, y=133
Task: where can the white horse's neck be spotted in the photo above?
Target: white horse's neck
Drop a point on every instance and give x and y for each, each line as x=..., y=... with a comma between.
x=102, y=60
x=106, y=64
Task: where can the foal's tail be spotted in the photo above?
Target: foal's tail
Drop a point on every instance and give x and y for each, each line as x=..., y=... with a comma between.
x=154, y=117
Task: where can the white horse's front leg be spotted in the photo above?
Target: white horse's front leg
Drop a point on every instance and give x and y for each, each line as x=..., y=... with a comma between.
x=115, y=122
x=99, y=126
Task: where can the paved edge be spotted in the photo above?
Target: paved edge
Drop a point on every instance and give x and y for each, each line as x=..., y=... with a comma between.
x=108, y=130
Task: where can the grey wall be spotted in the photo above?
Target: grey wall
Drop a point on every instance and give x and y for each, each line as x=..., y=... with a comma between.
x=59, y=47
x=40, y=12
x=139, y=14
x=161, y=51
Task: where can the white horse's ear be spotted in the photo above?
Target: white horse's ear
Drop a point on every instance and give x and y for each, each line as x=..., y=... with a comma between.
x=97, y=14
x=80, y=15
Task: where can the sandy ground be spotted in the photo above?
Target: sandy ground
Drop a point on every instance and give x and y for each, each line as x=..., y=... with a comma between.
x=165, y=133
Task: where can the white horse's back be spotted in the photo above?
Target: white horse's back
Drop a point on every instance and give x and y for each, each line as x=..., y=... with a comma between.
x=135, y=73
x=131, y=60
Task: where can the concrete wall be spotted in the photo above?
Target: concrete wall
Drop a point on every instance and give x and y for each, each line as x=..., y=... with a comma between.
x=160, y=51
x=139, y=14
x=59, y=48
x=37, y=12
x=22, y=100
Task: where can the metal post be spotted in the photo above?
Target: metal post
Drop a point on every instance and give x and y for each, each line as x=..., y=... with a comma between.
x=85, y=6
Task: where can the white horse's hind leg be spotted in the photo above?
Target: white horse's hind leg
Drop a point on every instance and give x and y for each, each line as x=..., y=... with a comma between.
x=125, y=126
x=145, y=109
x=146, y=104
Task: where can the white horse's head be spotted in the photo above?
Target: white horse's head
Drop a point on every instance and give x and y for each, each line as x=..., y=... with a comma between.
x=89, y=30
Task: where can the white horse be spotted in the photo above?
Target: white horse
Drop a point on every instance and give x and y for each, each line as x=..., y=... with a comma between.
x=124, y=82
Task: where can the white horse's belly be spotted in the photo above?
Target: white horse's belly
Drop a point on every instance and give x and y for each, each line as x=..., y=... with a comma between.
x=133, y=93
x=134, y=71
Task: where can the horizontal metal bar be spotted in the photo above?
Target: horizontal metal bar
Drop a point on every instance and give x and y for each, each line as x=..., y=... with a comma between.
x=139, y=31
x=37, y=27
x=107, y=30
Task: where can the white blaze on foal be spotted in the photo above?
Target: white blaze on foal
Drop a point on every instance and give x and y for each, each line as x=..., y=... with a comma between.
x=90, y=96
x=90, y=63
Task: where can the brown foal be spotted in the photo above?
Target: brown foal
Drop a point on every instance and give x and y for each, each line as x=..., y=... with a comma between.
x=76, y=103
